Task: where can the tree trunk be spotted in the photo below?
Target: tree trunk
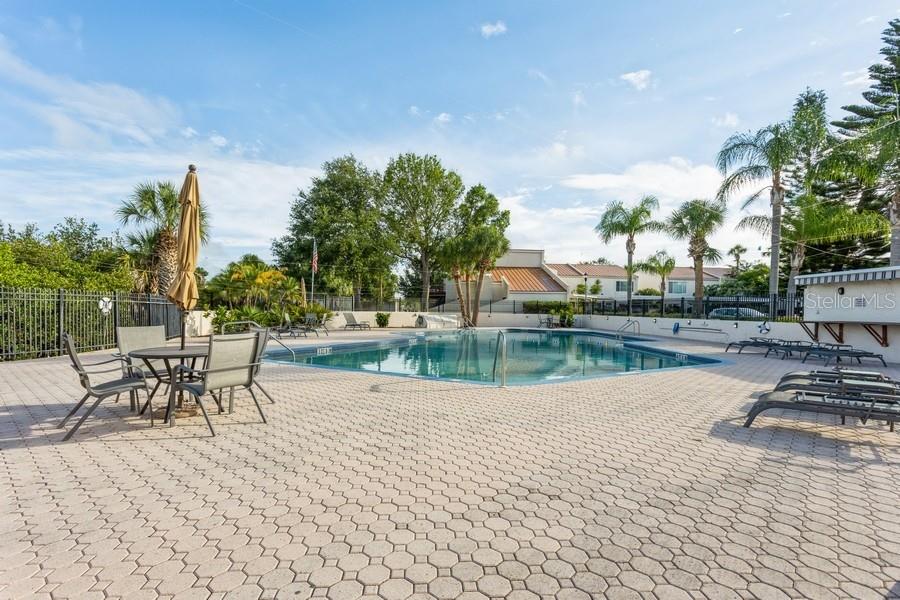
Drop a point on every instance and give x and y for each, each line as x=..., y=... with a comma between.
x=469, y=307
x=426, y=281
x=698, y=286
x=662, y=296
x=479, y=285
x=463, y=308
x=797, y=256
x=629, y=247
x=894, y=214
x=777, y=198
x=167, y=260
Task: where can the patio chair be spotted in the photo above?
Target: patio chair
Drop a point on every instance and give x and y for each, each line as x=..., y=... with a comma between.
x=352, y=323
x=138, y=338
x=232, y=363
x=312, y=322
x=289, y=329
x=260, y=350
x=861, y=407
x=130, y=383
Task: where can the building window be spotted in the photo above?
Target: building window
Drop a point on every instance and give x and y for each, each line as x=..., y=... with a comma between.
x=622, y=286
x=678, y=287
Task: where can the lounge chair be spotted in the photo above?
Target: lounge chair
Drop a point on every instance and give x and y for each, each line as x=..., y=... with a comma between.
x=130, y=383
x=827, y=352
x=287, y=328
x=352, y=323
x=861, y=407
x=836, y=374
x=312, y=323
x=130, y=339
x=787, y=348
x=843, y=387
x=232, y=363
x=754, y=342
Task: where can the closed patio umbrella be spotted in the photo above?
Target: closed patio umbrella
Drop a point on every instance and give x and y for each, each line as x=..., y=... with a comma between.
x=184, y=289
x=302, y=292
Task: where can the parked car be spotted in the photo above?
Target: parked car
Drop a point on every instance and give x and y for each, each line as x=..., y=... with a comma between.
x=737, y=313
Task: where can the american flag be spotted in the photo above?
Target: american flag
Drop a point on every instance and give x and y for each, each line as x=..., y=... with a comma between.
x=315, y=259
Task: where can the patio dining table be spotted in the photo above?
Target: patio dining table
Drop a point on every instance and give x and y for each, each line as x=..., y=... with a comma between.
x=171, y=356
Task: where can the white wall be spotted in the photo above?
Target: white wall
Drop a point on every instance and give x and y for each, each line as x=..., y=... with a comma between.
x=861, y=302
x=521, y=258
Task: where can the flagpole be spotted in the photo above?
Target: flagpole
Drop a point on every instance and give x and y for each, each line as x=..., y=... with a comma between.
x=314, y=269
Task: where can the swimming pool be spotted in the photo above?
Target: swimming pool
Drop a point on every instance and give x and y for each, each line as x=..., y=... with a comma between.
x=533, y=356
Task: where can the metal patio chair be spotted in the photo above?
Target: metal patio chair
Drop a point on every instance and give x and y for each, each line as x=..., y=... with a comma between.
x=138, y=338
x=130, y=383
x=233, y=362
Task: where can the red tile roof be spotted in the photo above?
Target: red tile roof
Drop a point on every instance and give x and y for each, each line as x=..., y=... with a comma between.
x=526, y=279
x=579, y=269
x=687, y=273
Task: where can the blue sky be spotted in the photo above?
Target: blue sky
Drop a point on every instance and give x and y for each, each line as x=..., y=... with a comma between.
x=556, y=107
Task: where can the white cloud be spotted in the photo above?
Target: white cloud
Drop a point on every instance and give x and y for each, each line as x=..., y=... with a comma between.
x=738, y=30
x=415, y=111
x=188, y=132
x=674, y=180
x=578, y=99
x=218, y=140
x=729, y=119
x=96, y=182
x=857, y=78
x=443, y=118
x=639, y=80
x=105, y=110
x=538, y=74
x=867, y=20
x=784, y=15
x=489, y=30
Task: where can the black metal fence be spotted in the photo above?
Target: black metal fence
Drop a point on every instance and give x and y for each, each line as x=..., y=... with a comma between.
x=32, y=321
x=733, y=308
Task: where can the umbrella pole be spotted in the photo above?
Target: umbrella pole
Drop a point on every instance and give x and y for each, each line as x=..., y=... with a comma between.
x=183, y=326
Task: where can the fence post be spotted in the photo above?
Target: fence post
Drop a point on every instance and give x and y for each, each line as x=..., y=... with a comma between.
x=61, y=313
x=115, y=309
x=682, y=307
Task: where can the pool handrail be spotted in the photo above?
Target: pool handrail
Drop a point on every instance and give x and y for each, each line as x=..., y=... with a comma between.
x=258, y=326
x=501, y=353
x=633, y=323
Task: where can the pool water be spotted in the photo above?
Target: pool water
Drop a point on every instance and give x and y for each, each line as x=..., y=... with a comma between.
x=533, y=356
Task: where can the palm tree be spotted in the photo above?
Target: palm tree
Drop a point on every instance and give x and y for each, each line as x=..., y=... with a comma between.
x=155, y=205
x=737, y=251
x=809, y=221
x=747, y=159
x=618, y=220
x=662, y=265
x=695, y=221
x=140, y=260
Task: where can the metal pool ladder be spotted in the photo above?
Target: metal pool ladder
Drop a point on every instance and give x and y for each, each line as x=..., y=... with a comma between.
x=500, y=354
x=258, y=326
x=635, y=328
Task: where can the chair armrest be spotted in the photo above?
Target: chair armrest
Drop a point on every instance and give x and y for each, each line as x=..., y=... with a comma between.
x=105, y=362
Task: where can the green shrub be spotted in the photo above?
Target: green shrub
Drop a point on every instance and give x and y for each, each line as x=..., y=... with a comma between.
x=381, y=319
x=648, y=292
x=543, y=306
x=566, y=315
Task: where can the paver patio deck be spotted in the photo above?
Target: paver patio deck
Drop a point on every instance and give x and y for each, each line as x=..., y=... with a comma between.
x=641, y=486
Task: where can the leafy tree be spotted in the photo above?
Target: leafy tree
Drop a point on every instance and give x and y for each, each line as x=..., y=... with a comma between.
x=871, y=136
x=340, y=209
x=695, y=221
x=807, y=221
x=753, y=280
x=155, y=207
x=596, y=287
x=762, y=157
x=418, y=197
x=618, y=220
x=661, y=265
x=736, y=252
